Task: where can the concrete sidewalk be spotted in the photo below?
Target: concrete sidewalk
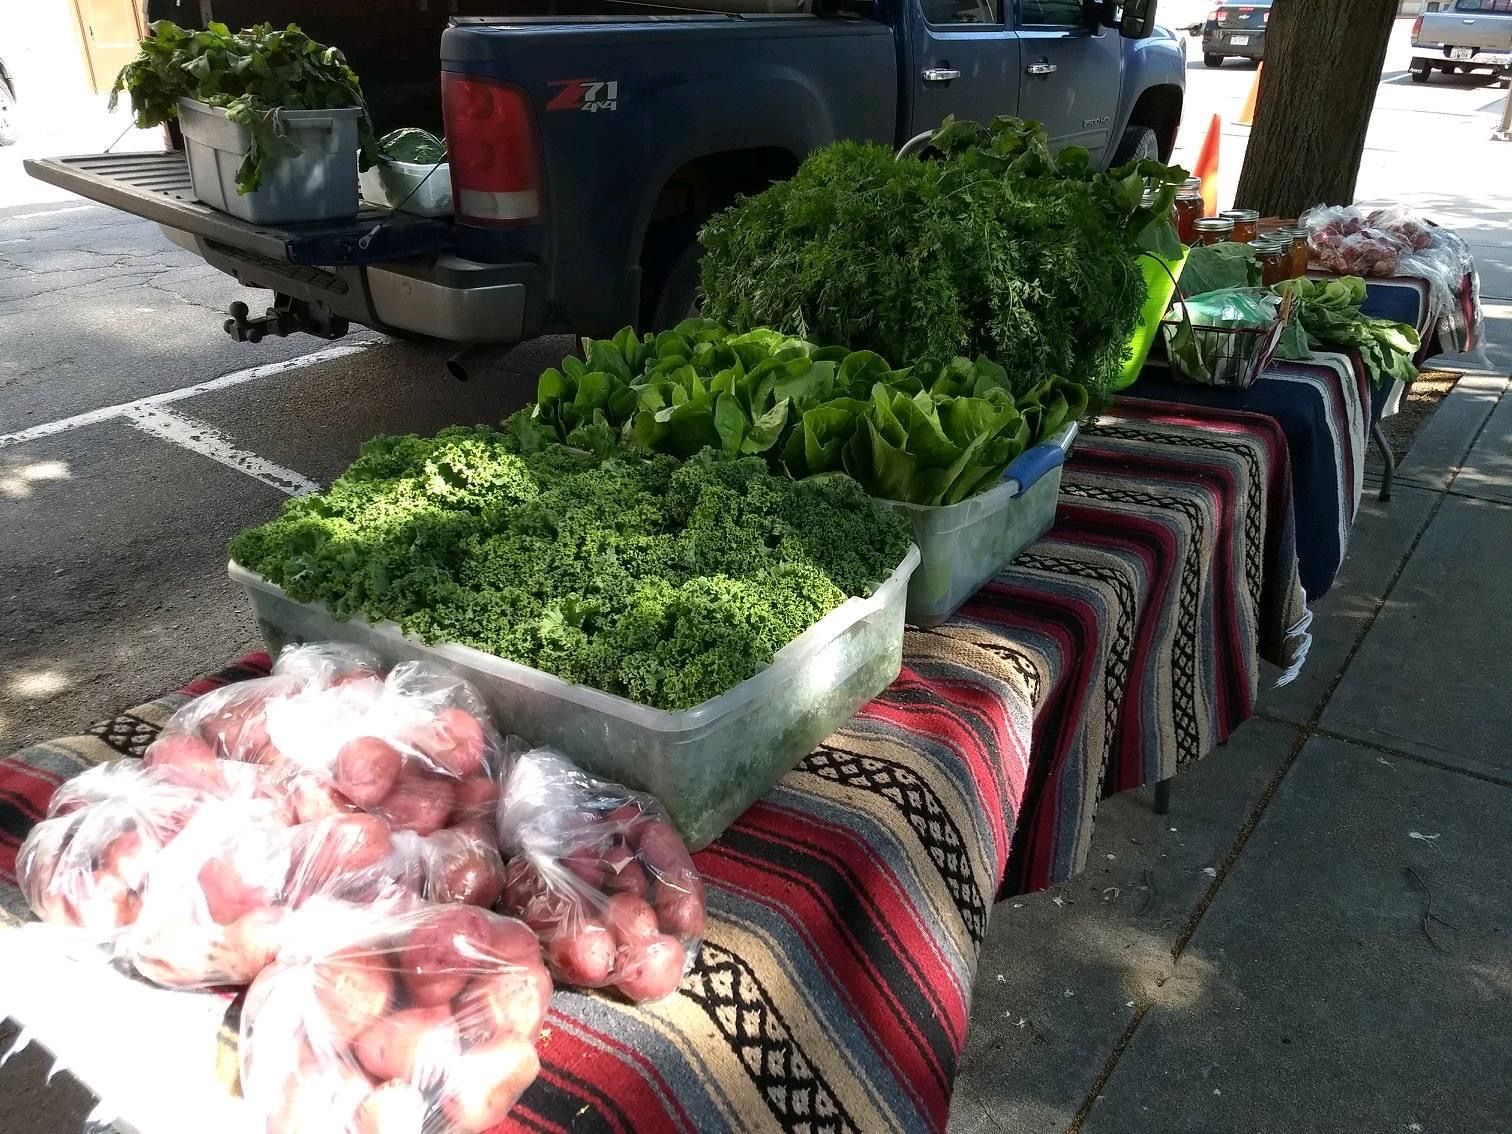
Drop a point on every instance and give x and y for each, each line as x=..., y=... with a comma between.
x=1318, y=937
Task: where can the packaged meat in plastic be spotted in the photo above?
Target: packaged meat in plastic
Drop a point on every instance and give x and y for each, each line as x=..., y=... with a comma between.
x=86, y=865
x=381, y=1022
x=218, y=899
x=602, y=876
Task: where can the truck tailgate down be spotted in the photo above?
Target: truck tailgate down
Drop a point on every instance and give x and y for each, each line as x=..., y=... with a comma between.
x=156, y=186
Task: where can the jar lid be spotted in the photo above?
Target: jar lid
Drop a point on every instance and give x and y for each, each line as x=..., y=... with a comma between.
x=1213, y=224
x=1192, y=183
x=1249, y=216
x=1269, y=244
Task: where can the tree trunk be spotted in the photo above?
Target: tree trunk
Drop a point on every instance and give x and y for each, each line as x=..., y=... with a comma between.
x=1322, y=67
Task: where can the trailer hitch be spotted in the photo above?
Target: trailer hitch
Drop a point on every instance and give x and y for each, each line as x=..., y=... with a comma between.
x=287, y=316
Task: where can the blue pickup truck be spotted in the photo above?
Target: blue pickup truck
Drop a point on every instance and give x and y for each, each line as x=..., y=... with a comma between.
x=587, y=150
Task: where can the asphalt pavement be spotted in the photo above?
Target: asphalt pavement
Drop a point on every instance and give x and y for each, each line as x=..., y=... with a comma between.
x=136, y=439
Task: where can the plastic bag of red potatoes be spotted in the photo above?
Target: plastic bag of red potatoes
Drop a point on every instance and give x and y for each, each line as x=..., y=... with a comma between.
x=86, y=864
x=601, y=876
x=399, y=1020
x=414, y=747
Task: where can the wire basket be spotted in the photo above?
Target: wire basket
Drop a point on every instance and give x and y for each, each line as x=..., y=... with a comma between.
x=1233, y=356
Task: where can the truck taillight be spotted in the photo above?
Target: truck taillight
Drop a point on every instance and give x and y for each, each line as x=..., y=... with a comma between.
x=1214, y=14
x=1417, y=27
x=494, y=153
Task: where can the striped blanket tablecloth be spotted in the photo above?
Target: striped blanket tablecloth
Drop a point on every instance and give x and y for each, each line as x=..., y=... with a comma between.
x=1323, y=407
x=848, y=906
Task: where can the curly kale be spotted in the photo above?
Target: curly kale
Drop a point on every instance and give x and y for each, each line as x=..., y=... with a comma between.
x=664, y=582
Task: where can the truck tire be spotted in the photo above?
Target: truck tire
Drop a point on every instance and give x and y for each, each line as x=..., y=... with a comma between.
x=1211, y=60
x=1137, y=143
x=670, y=292
x=10, y=130
x=1421, y=69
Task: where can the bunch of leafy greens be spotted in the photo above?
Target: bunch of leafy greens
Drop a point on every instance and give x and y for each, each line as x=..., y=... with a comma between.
x=251, y=74
x=1216, y=267
x=1023, y=257
x=932, y=434
x=412, y=144
x=664, y=582
x=1327, y=316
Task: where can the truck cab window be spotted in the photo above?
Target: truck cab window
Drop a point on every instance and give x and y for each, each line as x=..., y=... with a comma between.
x=1052, y=13
x=938, y=12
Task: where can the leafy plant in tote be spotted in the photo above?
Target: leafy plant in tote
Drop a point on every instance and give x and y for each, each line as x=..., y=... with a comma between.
x=412, y=144
x=251, y=74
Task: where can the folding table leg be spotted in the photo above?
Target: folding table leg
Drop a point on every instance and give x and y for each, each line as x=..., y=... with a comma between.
x=1387, y=458
x=1163, y=796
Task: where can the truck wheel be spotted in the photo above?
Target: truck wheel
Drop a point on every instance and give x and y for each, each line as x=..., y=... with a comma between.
x=1421, y=69
x=1211, y=60
x=1137, y=143
x=670, y=293
x=9, y=130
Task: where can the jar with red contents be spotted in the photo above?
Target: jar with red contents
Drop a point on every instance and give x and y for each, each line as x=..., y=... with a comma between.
x=1188, y=209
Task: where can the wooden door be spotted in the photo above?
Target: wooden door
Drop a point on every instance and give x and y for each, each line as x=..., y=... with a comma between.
x=110, y=30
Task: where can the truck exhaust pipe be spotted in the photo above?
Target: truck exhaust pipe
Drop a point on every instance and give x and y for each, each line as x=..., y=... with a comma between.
x=475, y=358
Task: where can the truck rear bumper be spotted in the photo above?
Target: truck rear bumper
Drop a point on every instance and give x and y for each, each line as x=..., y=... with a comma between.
x=1439, y=56
x=386, y=271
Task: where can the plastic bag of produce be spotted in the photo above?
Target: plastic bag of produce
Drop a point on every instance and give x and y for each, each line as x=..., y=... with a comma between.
x=86, y=864
x=217, y=900
x=382, y=1021
x=338, y=735
x=598, y=872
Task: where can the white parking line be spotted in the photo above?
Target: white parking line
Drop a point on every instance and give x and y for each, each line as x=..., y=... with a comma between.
x=205, y=439
x=225, y=381
x=52, y=212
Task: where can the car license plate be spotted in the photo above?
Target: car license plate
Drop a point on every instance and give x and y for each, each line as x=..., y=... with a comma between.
x=1462, y=53
x=1239, y=40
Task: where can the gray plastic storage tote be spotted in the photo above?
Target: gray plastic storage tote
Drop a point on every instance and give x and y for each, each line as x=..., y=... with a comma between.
x=706, y=764
x=319, y=183
x=963, y=545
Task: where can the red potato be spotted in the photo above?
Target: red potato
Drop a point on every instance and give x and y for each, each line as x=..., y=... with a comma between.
x=367, y=769
x=506, y=1005
x=237, y=731
x=588, y=864
x=352, y=676
x=453, y=741
x=337, y=849
x=37, y=870
x=462, y=869
x=228, y=895
x=128, y=856
x=421, y=801
x=477, y=797
x=485, y=1083
x=393, y=1108
x=353, y=990
x=413, y=1044
x=661, y=849
x=251, y=944
x=104, y=903
x=631, y=919
x=439, y=953
x=624, y=874
x=681, y=914
x=312, y=799
x=481, y=831
x=651, y=969
x=584, y=954
x=193, y=761
x=180, y=955
x=513, y=941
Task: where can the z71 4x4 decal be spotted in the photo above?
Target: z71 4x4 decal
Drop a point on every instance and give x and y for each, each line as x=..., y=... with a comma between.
x=584, y=94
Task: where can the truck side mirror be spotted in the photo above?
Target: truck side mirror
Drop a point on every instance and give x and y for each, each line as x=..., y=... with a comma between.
x=1138, y=20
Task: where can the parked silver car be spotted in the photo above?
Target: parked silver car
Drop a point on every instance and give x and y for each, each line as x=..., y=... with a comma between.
x=1463, y=35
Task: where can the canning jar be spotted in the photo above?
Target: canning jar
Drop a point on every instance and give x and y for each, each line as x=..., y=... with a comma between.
x=1188, y=209
x=1212, y=230
x=1300, y=251
x=1275, y=259
x=1246, y=222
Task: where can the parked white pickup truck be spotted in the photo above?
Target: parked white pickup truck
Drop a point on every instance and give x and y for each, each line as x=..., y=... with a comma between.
x=1463, y=35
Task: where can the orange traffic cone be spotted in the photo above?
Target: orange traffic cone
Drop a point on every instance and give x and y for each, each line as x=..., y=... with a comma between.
x=1207, y=168
x=1247, y=115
